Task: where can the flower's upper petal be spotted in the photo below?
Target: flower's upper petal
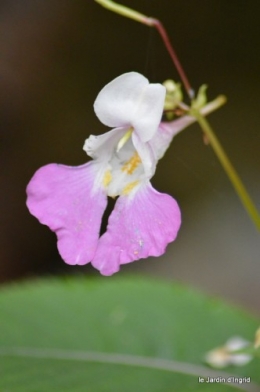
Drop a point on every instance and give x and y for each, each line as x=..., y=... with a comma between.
x=130, y=101
x=137, y=228
x=149, y=111
x=62, y=198
x=116, y=103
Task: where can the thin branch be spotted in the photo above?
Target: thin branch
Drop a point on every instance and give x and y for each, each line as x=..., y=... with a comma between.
x=137, y=16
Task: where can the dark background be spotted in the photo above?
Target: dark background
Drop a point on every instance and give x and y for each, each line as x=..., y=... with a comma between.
x=56, y=55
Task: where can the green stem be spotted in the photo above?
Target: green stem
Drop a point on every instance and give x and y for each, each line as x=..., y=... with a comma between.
x=228, y=167
x=138, y=17
x=125, y=11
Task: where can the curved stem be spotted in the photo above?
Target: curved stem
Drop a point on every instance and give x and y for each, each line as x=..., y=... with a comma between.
x=137, y=16
x=160, y=28
x=128, y=360
x=228, y=167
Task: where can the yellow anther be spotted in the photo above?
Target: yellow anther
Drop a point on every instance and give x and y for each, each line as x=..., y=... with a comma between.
x=130, y=166
x=128, y=188
x=107, y=178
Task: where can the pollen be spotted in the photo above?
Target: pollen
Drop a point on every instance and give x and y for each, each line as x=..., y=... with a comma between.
x=128, y=188
x=130, y=166
x=107, y=178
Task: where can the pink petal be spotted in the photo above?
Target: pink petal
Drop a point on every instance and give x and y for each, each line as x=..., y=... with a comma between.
x=62, y=197
x=138, y=227
x=166, y=132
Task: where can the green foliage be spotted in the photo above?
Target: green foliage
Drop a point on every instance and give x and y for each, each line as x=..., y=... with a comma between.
x=79, y=319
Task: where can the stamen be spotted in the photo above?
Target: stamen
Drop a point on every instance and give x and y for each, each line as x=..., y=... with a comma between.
x=130, y=166
x=124, y=139
x=128, y=188
x=107, y=178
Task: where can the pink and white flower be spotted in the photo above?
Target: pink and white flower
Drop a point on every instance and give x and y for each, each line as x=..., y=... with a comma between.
x=72, y=200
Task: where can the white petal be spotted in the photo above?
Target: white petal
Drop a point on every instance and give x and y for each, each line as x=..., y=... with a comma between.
x=236, y=343
x=102, y=146
x=146, y=154
x=116, y=102
x=149, y=111
x=130, y=100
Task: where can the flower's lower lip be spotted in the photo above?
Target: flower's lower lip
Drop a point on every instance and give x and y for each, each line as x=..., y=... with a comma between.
x=72, y=201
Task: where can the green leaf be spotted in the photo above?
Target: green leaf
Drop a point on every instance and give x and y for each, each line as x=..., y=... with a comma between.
x=113, y=334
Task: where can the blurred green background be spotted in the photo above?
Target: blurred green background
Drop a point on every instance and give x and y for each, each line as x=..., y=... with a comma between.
x=56, y=55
